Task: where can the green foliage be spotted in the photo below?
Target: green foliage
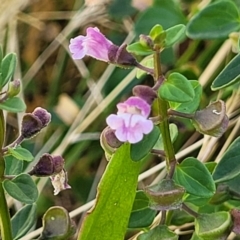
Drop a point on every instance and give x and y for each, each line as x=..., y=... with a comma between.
x=229, y=75
x=7, y=70
x=213, y=226
x=177, y=89
x=13, y=165
x=141, y=216
x=24, y=220
x=158, y=231
x=141, y=149
x=189, y=173
x=191, y=106
x=14, y=104
x=22, y=188
x=138, y=49
x=174, y=34
x=164, y=12
x=217, y=20
x=229, y=165
x=116, y=194
x=20, y=154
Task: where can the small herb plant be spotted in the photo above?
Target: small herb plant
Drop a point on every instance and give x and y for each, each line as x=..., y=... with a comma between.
x=203, y=195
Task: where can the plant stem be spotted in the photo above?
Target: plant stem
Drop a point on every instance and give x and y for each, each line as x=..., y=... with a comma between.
x=5, y=224
x=189, y=210
x=163, y=113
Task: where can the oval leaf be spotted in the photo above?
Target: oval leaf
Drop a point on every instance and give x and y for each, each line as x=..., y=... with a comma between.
x=189, y=107
x=174, y=34
x=177, y=89
x=138, y=49
x=229, y=75
x=8, y=66
x=213, y=226
x=14, y=104
x=142, y=216
x=214, y=21
x=189, y=174
x=13, y=165
x=22, y=188
x=229, y=165
x=160, y=232
x=24, y=220
x=141, y=149
x=20, y=153
x=164, y=12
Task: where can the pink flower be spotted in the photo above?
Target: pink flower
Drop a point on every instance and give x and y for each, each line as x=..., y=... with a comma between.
x=131, y=123
x=95, y=44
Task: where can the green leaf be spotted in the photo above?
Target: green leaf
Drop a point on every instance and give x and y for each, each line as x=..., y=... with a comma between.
x=173, y=134
x=180, y=217
x=14, y=104
x=161, y=231
x=189, y=107
x=57, y=225
x=229, y=75
x=195, y=177
x=174, y=34
x=142, y=216
x=213, y=226
x=196, y=200
x=229, y=165
x=217, y=20
x=177, y=89
x=109, y=218
x=20, y=153
x=8, y=66
x=24, y=220
x=13, y=166
x=164, y=12
x=141, y=149
x=156, y=31
x=22, y=188
x=1, y=55
x=138, y=49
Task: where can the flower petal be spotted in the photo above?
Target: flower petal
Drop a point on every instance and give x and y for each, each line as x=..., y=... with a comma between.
x=76, y=47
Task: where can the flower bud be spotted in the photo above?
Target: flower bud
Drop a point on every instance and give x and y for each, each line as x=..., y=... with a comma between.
x=48, y=165
x=145, y=92
x=43, y=115
x=32, y=123
x=14, y=88
x=109, y=142
x=120, y=56
x=146, y=41
x=212, y=120
x=165, y=196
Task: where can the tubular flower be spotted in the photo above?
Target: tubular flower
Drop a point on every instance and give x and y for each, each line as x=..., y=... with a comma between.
x=130, y=122
x=95, y=44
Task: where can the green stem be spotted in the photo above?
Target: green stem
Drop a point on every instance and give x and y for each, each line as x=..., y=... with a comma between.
x=5, y=224
x=164, y=123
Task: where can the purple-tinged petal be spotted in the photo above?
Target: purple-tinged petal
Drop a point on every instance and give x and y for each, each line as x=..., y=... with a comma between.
x=76, y=47
x=134, y=105
x=95, y=44
x=114, y=121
